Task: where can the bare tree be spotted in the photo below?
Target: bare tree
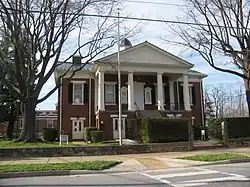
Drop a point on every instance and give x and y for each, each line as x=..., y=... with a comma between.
x=48, y=25
x=224, y=101
x=219, y=28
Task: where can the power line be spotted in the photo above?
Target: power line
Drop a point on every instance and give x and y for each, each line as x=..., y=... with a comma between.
x=156, y=3
x=124, y=17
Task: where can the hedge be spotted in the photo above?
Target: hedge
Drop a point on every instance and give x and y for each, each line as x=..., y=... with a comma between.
x=86, y=133
x=238, y=127
x=49, y=134
x=163, y=130
x=96, y=136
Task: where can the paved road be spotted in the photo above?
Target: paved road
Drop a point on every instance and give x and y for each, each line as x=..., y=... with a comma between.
x=213, y=176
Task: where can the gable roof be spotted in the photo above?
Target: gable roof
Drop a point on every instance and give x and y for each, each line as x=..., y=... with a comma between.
x=152, y=46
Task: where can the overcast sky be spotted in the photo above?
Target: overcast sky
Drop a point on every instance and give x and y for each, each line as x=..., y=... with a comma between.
x=154, y=32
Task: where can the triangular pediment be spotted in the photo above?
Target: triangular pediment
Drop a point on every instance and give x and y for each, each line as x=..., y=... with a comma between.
x=147, y=53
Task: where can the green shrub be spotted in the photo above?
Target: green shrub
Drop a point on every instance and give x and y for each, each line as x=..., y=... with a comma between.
x=163, y=130
x=86, y=133
x=96, y=136
x=238, y=127
x=133, y=129
x=49, y=134
x=214, y=128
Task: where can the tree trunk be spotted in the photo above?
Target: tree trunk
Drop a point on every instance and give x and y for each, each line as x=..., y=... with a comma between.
x=10, y=127
x=28, y=133
x=247, y=87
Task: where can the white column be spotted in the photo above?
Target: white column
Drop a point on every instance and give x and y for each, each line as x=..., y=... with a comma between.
x=101, y=105
x=96, y=94
x=171, y=95
x=130, y=91
x=160, y=92
x=186, y=93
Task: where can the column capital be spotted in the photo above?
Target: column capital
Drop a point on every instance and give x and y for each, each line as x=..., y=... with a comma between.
x=160, y=73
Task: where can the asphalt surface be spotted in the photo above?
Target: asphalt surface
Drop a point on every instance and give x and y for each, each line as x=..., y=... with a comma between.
x=233, y=175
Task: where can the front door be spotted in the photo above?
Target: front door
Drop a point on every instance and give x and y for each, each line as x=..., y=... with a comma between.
x=139, y=94
x=116, y=128
x=77, y=129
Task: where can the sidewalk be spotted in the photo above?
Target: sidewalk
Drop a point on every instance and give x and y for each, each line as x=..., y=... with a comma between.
x=132, y=162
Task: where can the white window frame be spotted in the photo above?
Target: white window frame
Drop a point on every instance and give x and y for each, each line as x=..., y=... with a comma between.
x=190, y=93
x=114, y=92
x=149, y=91
x=52, y=123
x=73, y=90
x=124, y=89
x=164, y=94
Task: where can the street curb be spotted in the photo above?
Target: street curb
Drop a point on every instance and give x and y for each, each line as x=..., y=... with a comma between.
x=232, y=161
x=56, y=173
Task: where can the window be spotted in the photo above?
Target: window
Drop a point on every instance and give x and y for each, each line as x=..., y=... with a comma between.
x=156, y=94
x=110, y=93
x=50, y=123
x=148, y=95
x=124, y=95
x=21, y=123
x=78, y=92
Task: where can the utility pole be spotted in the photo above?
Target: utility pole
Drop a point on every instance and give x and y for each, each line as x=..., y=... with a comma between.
x=119, y=85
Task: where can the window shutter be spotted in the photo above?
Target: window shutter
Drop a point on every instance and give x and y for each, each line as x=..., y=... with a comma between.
x=86, y=93
x=193, y=95
x=116, y=94
x=153, y=95
x=70, y=93
x=181, y=104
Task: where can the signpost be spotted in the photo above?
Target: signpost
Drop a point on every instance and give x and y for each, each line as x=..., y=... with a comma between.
x=64, y=138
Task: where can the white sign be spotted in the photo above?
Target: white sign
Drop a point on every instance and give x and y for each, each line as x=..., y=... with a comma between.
x=64, y=138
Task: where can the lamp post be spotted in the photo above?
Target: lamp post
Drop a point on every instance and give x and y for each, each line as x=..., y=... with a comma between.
x=17, y=123
x=119, y=85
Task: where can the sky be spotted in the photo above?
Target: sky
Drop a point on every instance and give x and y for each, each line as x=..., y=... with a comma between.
x=154, y=33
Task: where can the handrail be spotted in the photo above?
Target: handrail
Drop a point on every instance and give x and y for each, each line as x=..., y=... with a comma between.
x=138, y=111
x=164, y=111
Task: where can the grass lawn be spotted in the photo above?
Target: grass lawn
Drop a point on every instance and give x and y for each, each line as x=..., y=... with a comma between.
x=214, y=157
x=11, y=144
x=86, y=165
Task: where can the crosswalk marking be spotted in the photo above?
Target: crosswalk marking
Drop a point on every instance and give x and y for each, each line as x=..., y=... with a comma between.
x=205, y=176
x=185, y=174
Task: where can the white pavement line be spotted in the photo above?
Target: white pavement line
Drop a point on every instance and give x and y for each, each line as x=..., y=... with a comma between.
x=96, y=174
x=225, y=173
x=183, y=174
x=190, y=184
x=219, y=179
x=161, y=180
x=170, y=169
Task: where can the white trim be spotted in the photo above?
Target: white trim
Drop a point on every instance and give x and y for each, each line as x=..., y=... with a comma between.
x=110, y=83
x=78, y=82
x=80, y=118
x=164, y=84
x=116, y=116
x=189, y=84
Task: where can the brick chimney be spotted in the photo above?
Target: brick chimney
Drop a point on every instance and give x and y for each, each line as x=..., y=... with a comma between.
x=77, y=59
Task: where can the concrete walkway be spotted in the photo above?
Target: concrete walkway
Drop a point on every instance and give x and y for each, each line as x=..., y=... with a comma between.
x=131, y=162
